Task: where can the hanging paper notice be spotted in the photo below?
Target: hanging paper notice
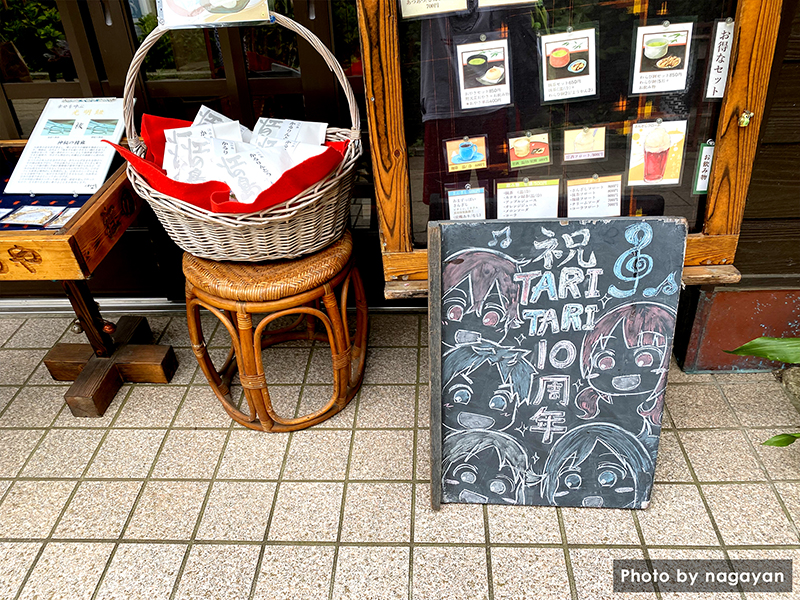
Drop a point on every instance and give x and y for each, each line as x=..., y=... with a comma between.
x=65, y=153
x=720, y=60
x=705, y=156
x=568, y=65
x=484, y=78
x=594, y=197
x=466, y=154
x=527, y=199
x=661, y=60
x=588, y=143
x=467, y=203
x=657, y=153
x=426, y=8
x=488, y=3
x=208, y=13
x=528, y=149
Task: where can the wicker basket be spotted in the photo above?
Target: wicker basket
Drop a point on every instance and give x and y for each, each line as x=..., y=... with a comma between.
x=309, y=221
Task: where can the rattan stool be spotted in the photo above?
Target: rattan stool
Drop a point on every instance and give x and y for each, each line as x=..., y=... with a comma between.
x=234, y=291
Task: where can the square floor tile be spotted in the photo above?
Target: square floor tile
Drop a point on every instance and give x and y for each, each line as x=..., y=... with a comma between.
x=8, y=327
x=6, y=394
x=698, y=406
x=218, y=571
x=371, y=573
x=15, y=447
x=190, y=454
x=315, y=397
x=749, y=514
x=167, y=510
x=98, y=509
x=526, y=574
x=593, y=572
x=17, y=365
x=126, y=453
x=393, y=330
x=30, y=508
x=187, y=367
x=423, y=454
x=451, y=573
x=721, y=456
x=150, y=406
x=793, y=555
x=280, y=579
x=16, y=559
x=288, y=365
x=284, y=399
x=683, y=554
x=423, y=334
x=790, y=494
x=762, y=404
x=761, y=376
x=142, y=572
x=201, y=408
x=33, y=406
x=424, y=406
x=676, y=375
x=452, y=523
x=780, y=463
x=67, y=571
x=676, y=517
x=599, y=526
x=523, y=525
x=382, y=454
x=391, y=365
x=670, y=463
x=253, y=455
x=177, y=332
x=38, y=333
x=377, y=512
x=63, y=453
x=387, y=406
x=307, y=512
x=316, y=455
x=237, y=511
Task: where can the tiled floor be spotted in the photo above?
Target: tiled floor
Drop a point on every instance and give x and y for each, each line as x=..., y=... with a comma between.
x=165, y=498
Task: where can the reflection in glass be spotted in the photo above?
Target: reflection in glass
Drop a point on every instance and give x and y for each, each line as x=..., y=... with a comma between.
x=32, y=43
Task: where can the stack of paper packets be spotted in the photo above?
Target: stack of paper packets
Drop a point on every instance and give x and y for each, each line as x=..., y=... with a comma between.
x=215, y=148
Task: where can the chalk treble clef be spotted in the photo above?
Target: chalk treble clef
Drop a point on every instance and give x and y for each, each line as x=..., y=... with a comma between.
x=633, y=261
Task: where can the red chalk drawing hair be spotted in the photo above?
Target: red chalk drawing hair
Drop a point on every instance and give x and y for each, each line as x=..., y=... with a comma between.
x=643, y=323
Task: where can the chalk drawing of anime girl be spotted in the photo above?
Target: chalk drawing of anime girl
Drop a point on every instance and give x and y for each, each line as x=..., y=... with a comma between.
x=598, y=465
x=625, y=357
x=483, y=467
x=479, y=292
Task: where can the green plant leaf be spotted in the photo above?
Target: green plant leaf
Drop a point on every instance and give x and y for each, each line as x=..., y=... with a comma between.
x=781, y=440
x=785, y=350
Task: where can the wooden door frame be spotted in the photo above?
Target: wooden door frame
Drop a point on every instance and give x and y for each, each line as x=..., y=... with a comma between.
x=709, y=255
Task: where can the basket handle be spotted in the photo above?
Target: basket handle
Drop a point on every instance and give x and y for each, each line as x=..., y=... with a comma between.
x=135, y=143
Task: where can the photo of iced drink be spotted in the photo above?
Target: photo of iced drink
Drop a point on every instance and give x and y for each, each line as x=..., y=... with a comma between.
x=656, y=153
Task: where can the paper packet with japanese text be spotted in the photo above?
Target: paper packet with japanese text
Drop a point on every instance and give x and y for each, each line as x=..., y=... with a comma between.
x=206, y=116
x=307, y=132
x=249, y=170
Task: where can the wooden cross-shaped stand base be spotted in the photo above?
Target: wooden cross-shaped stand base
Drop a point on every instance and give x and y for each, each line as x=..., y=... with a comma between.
x=99, y=368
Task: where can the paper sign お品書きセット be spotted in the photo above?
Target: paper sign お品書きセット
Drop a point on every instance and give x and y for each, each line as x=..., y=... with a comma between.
x=661, y=58
x=484, y=77
x=568, y=65
x=657, y=153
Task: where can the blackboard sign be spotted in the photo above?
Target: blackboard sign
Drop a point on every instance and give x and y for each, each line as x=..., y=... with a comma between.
x=550, y=343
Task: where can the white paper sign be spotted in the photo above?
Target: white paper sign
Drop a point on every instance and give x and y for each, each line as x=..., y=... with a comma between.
x=527, y=200
x=720, y=60
x=594, y=198
x=484, y=78
x=467, y=204
x=568, y=65
x=208, y=13
x=704, y=159
x=487, y=3
x=65, y=153
x=425, y=8
x=661, y=58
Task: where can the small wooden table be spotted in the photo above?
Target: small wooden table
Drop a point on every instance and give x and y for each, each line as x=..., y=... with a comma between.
x=70, y=255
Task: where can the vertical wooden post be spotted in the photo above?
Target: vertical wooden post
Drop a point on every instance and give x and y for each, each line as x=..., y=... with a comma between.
x=75, y=33
x=757, y=24
x=377, y=23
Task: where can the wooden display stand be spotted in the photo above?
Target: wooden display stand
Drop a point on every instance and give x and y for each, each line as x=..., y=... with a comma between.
x=70, y=255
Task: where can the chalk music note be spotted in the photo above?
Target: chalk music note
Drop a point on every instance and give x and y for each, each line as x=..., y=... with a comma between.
x=504, y=243
x=669, y=286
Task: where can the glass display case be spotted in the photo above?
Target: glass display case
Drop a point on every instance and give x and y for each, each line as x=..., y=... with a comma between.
x=519, y=109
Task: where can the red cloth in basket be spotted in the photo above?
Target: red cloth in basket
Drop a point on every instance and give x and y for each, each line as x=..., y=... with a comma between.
x=215, y=195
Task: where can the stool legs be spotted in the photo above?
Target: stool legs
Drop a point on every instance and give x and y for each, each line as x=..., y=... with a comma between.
x=347, y=355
